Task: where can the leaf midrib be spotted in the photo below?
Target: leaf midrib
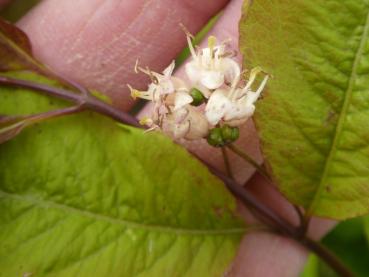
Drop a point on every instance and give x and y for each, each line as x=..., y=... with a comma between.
x=341, y=120
x=121, y=222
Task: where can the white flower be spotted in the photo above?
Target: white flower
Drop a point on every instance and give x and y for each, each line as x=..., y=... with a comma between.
x=235, y=105
x=161, y=84
x=210, y=67
x=216, y=98
x=187, y=122
x=171, y=111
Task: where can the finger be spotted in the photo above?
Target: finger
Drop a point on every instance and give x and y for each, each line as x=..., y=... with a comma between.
x=266, y=254
x=97, y=42
x=225, y=28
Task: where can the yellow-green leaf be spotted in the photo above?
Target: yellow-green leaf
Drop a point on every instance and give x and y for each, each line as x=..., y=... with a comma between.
x=313, y=120
x=80, y=196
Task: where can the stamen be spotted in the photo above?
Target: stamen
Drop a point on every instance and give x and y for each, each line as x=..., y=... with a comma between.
x=185, y=30
x=146, y=121
x=134, y=92
x=234, y=85
x=136, y=66
x=228, y=54
x=152, y=77
x=212, y=41
x=189, y=37
x=253, y=96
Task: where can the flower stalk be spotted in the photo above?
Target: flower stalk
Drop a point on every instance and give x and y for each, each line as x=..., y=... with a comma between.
x=235, y=149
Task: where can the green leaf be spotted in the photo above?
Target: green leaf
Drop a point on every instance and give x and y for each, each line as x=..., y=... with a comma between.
x=313, y=120
x=80, y=196
x=11, y=126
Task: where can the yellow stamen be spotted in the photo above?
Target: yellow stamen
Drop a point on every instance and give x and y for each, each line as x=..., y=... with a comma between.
x=212, y=41
x=134, y=92
x=146, y=121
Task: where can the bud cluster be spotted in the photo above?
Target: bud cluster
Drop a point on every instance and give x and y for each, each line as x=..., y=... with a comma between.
x=211, y=104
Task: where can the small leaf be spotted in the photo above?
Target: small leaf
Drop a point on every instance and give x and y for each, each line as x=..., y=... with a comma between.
x=15, y=49
x=313, y=121
x=80, y=196
x=11, y=126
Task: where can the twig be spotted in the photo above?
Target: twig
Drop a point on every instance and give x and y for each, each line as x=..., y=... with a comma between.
x=88, y=101
x=281, y=225
x=303, y=220
x=327, y=256
x=226, y=162
x=248, y=159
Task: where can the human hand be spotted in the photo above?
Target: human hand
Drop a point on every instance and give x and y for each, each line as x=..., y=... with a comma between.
x=97, y=42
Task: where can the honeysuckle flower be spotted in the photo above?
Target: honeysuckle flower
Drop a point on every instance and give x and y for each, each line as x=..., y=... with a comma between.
x=235, y=105
x=211, y=67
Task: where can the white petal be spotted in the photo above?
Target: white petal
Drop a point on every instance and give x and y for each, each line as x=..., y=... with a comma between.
x=166, y=86
x=193, y=72
x=169, y=70
x=217, y=106
x=154, y=91
x=177, y=124
x=239, y=111
x=206, y=57
x=179, y=84
x=230, y=68
x=199, y=127
x=180, y=115
x=181, y=100
x=253, y=96
x=180, y=130
x=212, y=79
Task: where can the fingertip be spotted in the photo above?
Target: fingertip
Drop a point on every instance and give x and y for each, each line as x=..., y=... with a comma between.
x=96, y=42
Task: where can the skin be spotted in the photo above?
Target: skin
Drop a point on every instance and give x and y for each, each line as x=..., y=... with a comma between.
x=96, y=42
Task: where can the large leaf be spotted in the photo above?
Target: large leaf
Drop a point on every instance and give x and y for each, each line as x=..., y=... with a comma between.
x=313, y=121
x=81, y=196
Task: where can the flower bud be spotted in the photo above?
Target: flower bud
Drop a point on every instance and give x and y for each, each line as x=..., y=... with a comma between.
x=215, y=137
x=222, y=136
x=197, y=96
x=230, y=134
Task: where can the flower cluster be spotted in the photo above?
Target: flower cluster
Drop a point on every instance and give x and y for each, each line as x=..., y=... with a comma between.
x=211, y=104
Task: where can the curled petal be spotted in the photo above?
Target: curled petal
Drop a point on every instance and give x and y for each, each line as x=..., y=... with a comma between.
x=169, y=70
x=199, y=126
x=231, y=69
x=239, y=110
x=212, y=79
x=180, y=130
x=181, y=99
x=193, y=72
x=217, y=106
